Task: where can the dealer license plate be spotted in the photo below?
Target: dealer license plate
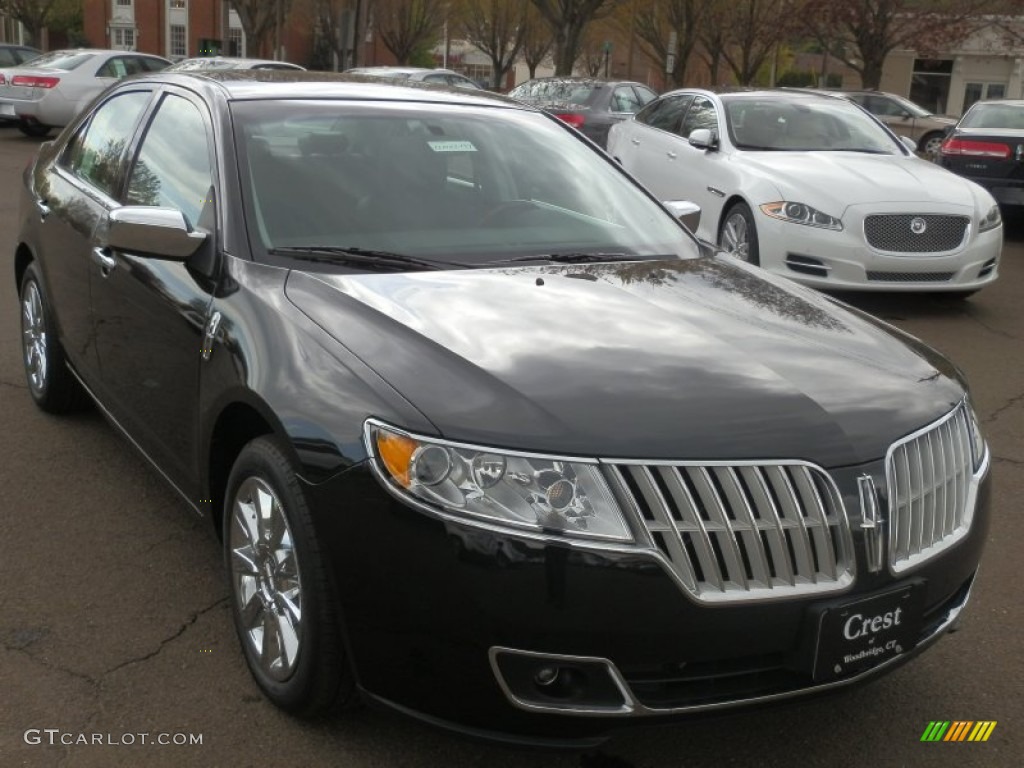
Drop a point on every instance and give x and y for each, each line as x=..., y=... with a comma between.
x=856, y=636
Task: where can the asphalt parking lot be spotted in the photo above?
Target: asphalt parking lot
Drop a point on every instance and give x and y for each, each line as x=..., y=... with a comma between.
x=114, y=619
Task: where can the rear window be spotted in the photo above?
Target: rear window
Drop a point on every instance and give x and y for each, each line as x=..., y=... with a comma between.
x=554, y=92
x=997, y=116
x=65, y=60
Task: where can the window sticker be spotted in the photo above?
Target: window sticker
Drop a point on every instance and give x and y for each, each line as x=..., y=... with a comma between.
x=452, y=146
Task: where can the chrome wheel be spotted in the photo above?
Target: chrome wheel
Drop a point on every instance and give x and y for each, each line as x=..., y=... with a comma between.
x=736, y=236
x=265, y=578
x=33, y=330
x=931, y=147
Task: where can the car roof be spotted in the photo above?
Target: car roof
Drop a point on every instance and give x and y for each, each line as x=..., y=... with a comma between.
x=751, y=94
x=254, y=84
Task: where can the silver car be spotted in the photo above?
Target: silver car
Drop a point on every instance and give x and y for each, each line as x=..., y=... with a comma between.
x=51, y=89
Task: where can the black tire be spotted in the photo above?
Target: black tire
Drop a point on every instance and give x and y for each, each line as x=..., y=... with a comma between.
x=319, y=677
x=726, y=232
x=53, y=387
x=35, y=130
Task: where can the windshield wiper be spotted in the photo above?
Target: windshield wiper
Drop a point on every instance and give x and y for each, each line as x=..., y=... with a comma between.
x=581, y=257
x=362, y=257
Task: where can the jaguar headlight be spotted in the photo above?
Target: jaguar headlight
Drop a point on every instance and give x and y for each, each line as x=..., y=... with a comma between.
x=800, y=213
x=531, y=492
x=990, y=220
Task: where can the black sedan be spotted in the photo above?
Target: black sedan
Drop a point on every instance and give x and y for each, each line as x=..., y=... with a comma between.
x=487, y=436
x=590, y=105
x=987, y=147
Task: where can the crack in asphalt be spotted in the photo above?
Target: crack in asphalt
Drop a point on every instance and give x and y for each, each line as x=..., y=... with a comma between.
x=996, y=331
x=48, y=665
x=163, y=643
x=13, y=384
x=1005, y=406
x=1006, y=460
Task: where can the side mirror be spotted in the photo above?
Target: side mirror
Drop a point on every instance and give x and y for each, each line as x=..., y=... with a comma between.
x=163, y=233
x=703, y=138
x=909, y=143
x=688, y=213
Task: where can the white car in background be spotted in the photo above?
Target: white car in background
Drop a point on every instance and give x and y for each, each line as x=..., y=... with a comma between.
x=50, y=90
x=811, y=187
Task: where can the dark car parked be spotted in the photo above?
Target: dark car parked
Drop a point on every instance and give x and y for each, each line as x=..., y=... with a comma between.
x=987, y=147
x=590, y=105
x=489, y=438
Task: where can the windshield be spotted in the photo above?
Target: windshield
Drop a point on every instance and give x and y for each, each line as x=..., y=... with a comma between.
x=911, y=107
x=66, y=60
x=466, y=184
x=997, y=116
x=804, y=125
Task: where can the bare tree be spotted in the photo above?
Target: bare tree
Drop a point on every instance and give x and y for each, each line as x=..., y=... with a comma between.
x=259, y=18
x=654, y=23
x=753, y=29
x=869, y=30
x=34, y=15
x=537, y=41
x=568, y=19
x=497, y=28
x=407, y=25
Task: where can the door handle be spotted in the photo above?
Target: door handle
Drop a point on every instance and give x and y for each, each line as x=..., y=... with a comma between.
x=102, y=257
x=636, y=141
x=671, y=155
x=43, y=208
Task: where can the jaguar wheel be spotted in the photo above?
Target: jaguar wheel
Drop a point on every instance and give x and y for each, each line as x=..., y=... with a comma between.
x=738, y=234
x=283, y=606
x=51, y=384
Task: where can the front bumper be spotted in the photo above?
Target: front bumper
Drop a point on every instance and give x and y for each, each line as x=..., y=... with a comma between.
x=828, y=259
x=430, y=607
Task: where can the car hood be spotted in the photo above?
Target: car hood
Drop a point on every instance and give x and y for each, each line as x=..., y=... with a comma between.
x=697, y=359
x=833, y=181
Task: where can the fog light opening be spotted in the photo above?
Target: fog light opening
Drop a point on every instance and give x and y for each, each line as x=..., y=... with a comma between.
x=560, y=681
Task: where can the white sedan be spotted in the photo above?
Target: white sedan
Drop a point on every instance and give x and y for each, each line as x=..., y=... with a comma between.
x=50, y=90
x=813, y=188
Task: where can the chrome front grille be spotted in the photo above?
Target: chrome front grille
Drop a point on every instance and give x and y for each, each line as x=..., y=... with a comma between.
x=895, y=232
x=931, y=490
x=743, y=531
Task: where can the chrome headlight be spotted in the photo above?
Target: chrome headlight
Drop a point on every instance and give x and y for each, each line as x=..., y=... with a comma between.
x=799, y=213
x=990, y=220
x=531, y=492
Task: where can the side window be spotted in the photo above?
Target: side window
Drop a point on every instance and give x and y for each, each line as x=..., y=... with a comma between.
x=150, y=64
x=173, y=165
x=7, y=57
x=94, y=155
x=436, y=79
x=645, y=95
x=665, y=113
x=700, y=115
x=115, y=67
x=624, y=100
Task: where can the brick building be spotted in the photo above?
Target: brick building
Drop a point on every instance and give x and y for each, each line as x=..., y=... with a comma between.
x=183, y=28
